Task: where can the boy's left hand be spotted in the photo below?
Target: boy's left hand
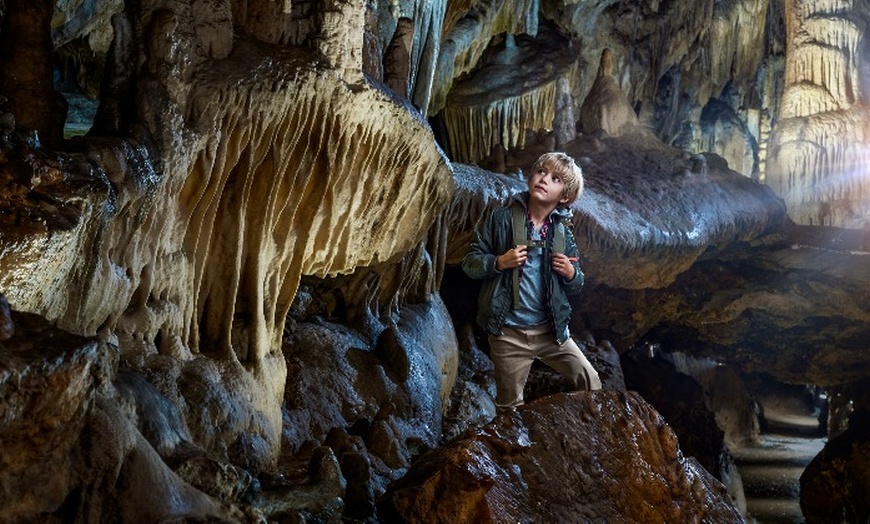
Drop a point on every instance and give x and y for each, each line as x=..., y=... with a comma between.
x=562, y=266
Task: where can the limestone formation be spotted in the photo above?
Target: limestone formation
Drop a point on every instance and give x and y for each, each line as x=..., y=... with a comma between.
x=606, y=107
x=819, y=145
x=184, y=243
x=500, y=103
x=469, y=27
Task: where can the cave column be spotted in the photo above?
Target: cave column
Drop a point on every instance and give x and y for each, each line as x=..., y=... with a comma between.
x=26, y=75
x=342, y=32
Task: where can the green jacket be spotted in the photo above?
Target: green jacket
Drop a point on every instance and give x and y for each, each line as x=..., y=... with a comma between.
x=494, y=237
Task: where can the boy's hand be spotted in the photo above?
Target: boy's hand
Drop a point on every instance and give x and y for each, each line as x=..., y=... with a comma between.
x=562, y=265
x=511, y=258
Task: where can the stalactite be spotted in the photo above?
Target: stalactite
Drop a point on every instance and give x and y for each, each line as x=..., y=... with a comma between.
x=819, y=152
x=466, y=41
x=822, y=67
x=474, y=130
x=293, y=182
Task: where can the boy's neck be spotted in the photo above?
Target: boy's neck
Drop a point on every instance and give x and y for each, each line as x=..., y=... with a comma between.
x=538, y=213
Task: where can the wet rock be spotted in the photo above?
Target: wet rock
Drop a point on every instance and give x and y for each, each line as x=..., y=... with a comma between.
x=49, y=381
x=317, y=495
x=359, y=497
x=623, y=464
x=127, y=480
x=835, y=486
x=220, y=480
x=382, y=399
x=681, y=401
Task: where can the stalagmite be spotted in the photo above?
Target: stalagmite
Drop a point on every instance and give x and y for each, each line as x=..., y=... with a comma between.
x=606, y=107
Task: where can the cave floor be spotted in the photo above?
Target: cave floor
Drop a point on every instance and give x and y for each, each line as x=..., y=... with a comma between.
x=772, y=468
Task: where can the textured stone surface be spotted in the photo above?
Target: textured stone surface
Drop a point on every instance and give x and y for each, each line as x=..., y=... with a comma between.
x=820, y=141
x=606, y=108
x=49, y=380
x=600, y=456
x=390, y=394
x=836, y=484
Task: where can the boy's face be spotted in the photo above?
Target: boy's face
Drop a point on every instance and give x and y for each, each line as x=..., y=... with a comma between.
x=547, y=188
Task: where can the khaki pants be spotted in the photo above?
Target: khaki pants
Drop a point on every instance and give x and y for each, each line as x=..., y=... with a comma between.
x=514, y=352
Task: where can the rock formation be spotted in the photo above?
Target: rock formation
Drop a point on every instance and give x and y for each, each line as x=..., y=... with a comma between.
x=514, y=469
x=606, y=107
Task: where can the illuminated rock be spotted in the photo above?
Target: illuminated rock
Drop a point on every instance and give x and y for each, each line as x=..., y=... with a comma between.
x=819, y=154
x=625, y=465
x=468, y=29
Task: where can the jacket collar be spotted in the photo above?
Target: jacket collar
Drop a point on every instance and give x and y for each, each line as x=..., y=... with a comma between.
x=522, y=198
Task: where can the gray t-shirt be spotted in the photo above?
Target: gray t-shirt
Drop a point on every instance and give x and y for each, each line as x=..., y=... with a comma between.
x=532, y=307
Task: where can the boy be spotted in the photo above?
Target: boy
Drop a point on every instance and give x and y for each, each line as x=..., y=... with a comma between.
x=529, y=270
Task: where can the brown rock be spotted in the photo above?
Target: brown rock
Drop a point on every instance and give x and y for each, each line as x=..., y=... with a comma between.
x=600, y=456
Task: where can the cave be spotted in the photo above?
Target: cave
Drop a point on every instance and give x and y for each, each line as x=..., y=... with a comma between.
x=232, y=232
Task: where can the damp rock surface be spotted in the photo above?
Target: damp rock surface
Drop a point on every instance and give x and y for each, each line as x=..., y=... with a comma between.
x=572, y=457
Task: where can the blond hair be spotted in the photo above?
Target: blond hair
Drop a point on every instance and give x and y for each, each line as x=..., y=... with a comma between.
x=563, y=165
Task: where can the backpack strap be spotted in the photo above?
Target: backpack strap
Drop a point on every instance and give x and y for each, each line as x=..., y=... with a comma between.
x=559, y=242
x=518, y=224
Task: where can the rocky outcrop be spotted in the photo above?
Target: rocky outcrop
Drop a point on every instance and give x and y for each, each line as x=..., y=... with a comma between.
x=385, y=395
x=836, y=484
x=49, y=382
x=515, y=469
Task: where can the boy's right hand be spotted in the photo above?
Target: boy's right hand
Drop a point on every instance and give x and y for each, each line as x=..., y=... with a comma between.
x=512, y=258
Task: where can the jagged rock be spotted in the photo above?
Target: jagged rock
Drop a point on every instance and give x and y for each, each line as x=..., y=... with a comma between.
x=625, y=464
x=316, y=496
x=394, y=400
x=49, y=382
x=126, y=479
x=683, y=404
x=835, y=486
